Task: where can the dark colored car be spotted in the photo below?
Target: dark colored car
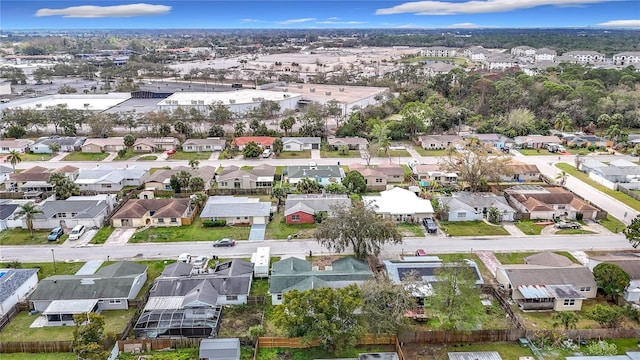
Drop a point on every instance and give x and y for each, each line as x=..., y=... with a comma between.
x=430, y=225
x=224, y=242
x=55, y=234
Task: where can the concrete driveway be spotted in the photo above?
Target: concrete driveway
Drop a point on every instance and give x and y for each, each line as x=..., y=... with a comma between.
x=120, y=237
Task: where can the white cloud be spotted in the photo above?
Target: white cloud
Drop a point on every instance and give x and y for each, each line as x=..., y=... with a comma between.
x=246, y=21
x=465, y=25
x=333, y=22
x=91, y=11
x=296, y=21
x=475, y=6
x=333, y=18
x=621, y=23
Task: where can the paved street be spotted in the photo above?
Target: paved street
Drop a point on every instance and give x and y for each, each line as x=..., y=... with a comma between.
x=302, y=247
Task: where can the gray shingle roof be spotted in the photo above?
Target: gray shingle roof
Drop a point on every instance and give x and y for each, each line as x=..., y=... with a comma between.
x=311, y=203
x=12, y=279
x=541, y=275
x=220, y=349
x=303, y=140
x=203, y=294
x=6, y=210
x=177, y=269
x=61, y=140
x=84, y=209
x=320, y=171
x=229, y=206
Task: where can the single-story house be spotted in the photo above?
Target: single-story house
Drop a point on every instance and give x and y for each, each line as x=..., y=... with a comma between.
x=154, y=212
x=539, y=287
x=353, y=142
x=97, y=145
x=220, y=349
x=433, y=173
x=617, y=172
x=71, y=172
x=66, y=143
x=322, y=174
x=161, y=179
x=585, y=140
x=468, y=206
x=236, y=210
x=630, y=263
x=15, y=285
x=401, y=205
x=297, y=274
x=300, y=208
x=395, y=172
x=498, y=141
x=438, y=142
x=69, y=213
x=548, y=203
x=204, y=145
x=150, y=144
x=587, y=164
x=300, y=143
x=535, y=141
x=105, y=179
x=376, y=180
x=265, y=142
x=33, y=179
x=260, y=177
x=519, y=171
x=5, y=171
x=8, y=209
x=19, y=145
x=59, y=297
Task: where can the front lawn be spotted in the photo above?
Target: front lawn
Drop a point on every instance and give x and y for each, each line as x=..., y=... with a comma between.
x=23, y=237
x=279, y=229
x=471, y=228
x=612, y=224
x=304, y=154
x=624, y=198
x=530, y=152
x=424, y=152
x=573, y=232
x=127, y=155
x=147, y=158
x=46, y=269
x=529, y=227
x=340, y=154
x=102, y=235
x=518, y=257
x=80, y=156
x=193, y=232
x=397, y=153
x=36, y=157
x=181, y=155
x=19, y=330
x=411, y=229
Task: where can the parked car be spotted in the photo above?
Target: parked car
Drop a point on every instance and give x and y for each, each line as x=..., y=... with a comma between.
x=200, y=262
x=76, y=232
x=55, y=234
x=224, y=242
x=266, y=153
x=567, y=225
x=171, y=152
x=421, y=252
x=185, y=258
x=430, y=225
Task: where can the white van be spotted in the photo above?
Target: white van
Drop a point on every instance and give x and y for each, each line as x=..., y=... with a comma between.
x=266, y=153
x=76, y=232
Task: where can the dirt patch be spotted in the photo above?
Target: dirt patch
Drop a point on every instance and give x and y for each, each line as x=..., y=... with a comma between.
x=236, y=320
x=323, y=261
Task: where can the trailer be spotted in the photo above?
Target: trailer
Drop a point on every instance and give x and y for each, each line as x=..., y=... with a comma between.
x=261, y=260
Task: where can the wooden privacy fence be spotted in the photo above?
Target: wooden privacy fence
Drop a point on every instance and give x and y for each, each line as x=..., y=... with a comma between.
x=35, y=347
x=444, y=337
x=299, y=343
x=158, y=344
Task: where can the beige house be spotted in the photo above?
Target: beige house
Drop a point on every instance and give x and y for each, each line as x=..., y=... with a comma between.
x=548, y=203
x=161, y=179
x=353, y=142
x=154, y=212
x=260, y=177
x=374, y=178
x=438, y=142
x=155, y=144
x=98, y=145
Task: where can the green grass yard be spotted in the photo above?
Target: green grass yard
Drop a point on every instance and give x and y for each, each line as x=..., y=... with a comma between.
x=102, y=235
x=471, y=228
x=147, y=158
x=612, y=224
x=529, y=227
x=518, y=257
x=534, y=152
x=36, y=157
x=80, y=156
x=47, y=269
x=424, y=152
x=23, y=237
x=278, y=229
x=573, y=232
x=304, y=154
x=411, y=229
x=339, y=154
x=42, y=356
x=624, y=198
x=193, y=232
x=181, y=155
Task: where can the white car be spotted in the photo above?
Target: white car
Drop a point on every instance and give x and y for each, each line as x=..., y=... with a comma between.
x=185, y=258
x=200, y=262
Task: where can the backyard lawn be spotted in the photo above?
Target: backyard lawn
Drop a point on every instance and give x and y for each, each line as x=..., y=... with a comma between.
x=43, y=356
x=278, y=229
x=304, y=154
x=80, y=156
x=181, y=155
x=339, y=154
x=19, y=330
x=624, y=198
x=102, y=235
x=529, y=227
x=518, y=257
x=424, y=152
x=193, y=232
x=23, y=237
x=471, y=228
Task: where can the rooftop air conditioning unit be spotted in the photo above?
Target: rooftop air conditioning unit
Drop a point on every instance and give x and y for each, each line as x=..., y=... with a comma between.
x=300, y=86
x=341, y=89
x=232, y=101
x=285, y=90
x=38, y=105
x=312, y=90
x=194, y=102
x=327, y=92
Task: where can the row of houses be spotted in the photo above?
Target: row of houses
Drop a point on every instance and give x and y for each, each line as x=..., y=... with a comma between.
x=617, y=174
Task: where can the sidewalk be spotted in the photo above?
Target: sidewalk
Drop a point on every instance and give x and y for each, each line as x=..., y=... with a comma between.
x=512, y=229
x=59, y=157
x=413, y=152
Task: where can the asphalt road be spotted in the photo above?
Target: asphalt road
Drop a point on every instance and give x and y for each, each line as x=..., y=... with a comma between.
x=431, y=244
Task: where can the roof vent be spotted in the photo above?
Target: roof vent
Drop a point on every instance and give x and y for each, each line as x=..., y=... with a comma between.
x=327, y=92
x=312, y=90
x=232, y=101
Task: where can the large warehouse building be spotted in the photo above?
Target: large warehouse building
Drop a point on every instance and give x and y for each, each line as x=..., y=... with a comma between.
x=239, y=101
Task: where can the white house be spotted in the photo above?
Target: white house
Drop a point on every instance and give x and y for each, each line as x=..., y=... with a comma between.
x=466, y=206
x=203, y=145
x=300, y=143
x=401, y=205
x=626, y=58
x=105, y=179
x=66, y=143
x=19, y=145
x=16, y=284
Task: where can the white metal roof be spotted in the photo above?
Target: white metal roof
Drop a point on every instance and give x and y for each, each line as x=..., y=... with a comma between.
x=70, y=306
x=246, y=96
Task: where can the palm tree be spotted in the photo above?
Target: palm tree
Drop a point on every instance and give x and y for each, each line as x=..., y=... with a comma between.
x=563, y=122
x=562, y=176
x=613, y=133
x=194, y=164
x=14, y=158
x=29, y=211
x=566, y=319
x=183, y=179
x=380, y=132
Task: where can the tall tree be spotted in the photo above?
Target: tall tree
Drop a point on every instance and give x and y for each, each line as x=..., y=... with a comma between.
x=325, y=314
x=129, y=140
x=380, y=133
x=29, y=211
x=196, y=183
x=632, y=232
x=357, y=226
x=385, y=306
x=183, y=179
x=277, y=146
x=194, y=164
x=287, y=124
x=475, y=164
x=14, y=159
x=456, y=297
x=563, y=122
x=88, y=337
x=611, y=279
x=55, y=147
x=308, y=186
x=251, y=150
x=355, y=182
x=566, y=319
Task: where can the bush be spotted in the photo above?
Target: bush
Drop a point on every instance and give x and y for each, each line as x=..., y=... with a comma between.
x=600, y=348
x=579, y=216
x=214, y=223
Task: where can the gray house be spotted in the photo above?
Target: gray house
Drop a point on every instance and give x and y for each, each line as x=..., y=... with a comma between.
x=236, y=210
x=67, y=144
x=300, y=143
x=467, y=206
x=69, y=213
x=323, y=174
x=260, y=177
x=201, y=145
x=59, y=297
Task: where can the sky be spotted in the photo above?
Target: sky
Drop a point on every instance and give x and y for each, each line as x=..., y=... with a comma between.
x=310, y=14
